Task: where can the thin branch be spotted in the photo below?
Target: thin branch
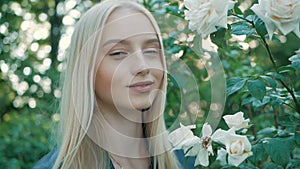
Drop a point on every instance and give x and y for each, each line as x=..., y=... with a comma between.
x=270, y=54
x=245, y=19
x=275, y=117
x=289, y=106
x=276, y=69
x=251, y=118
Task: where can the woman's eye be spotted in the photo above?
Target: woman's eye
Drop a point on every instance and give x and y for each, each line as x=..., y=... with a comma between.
x=118, y=53
x=151, y=51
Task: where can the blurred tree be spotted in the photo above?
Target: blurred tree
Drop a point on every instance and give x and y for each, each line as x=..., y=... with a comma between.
x=34, y=35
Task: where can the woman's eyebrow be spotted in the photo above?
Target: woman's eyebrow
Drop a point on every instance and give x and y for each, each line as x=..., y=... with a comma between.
x=123, y=41
x=152, y=40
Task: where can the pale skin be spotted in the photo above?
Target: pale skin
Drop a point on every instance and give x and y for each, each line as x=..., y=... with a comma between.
x=127, y=78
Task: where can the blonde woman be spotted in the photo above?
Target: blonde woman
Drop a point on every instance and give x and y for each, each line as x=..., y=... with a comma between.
x=114, y=94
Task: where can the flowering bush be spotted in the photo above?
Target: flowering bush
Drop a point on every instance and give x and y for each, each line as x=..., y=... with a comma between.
x=237, y=146
x=268, y=94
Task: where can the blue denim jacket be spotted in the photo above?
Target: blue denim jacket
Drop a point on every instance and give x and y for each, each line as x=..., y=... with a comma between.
x=48, y=160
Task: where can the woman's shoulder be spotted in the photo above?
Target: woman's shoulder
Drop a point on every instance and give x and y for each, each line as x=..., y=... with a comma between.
x=186, y=162
x=47, y=161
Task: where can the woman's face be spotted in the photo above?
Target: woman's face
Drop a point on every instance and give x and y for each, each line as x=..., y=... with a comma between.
x=131, y=71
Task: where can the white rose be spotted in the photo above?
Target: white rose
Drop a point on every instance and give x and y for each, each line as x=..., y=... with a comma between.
x=183, y=137
x=206, y=147
x=238, y=147
x=283, y=14
x=236, y=121
x=205, y=15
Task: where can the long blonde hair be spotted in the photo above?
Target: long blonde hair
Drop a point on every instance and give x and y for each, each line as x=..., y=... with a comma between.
x=76, y=149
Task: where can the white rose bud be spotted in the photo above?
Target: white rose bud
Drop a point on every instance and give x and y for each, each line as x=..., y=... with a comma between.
x=238, y=149
x=283, y=14
x=236, y=121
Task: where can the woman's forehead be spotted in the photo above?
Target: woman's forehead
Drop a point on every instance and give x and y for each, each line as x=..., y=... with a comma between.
x=126, y=22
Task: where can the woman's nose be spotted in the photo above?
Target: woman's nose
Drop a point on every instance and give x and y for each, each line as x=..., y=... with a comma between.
x=139, y=64
x=143, y=72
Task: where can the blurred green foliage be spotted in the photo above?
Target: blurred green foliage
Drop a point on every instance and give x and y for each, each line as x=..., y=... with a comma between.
x=35, y=33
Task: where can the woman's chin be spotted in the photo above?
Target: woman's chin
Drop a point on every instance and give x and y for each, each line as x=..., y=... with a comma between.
x=143, y=107
x=143, y=102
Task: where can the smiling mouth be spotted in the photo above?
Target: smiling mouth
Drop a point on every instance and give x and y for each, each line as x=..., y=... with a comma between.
x=142, y=87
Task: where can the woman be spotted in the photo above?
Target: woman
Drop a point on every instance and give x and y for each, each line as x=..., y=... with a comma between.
x=114, y=93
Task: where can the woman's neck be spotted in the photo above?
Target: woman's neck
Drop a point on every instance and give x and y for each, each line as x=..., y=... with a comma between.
x=126, y=122
x=125, y=163
x=121, y=135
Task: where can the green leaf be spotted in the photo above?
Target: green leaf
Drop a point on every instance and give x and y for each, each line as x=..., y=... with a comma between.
x=257, y=103
x=269, y=81
x=251, y=18
x=257, y=88
x=247, y=166
x=276, y=75
x=279, y=149
x=218, y=37
x=284, y=69
x=260, y=27
x=274, y=38
x=237, y=9
x=258, y=152
x=276, y=100
x=235, y=84
x=272, y=166
x=241, y=28
x=297, y=94
x=295, y=58
x=297, y=137
x=173, y=7
x=174, y=49
x=294, y=163
x=269, y=131
x=295, y=62
x=248, y=100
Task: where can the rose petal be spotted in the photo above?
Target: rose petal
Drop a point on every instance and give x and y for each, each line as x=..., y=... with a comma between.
x=183, y=137
x=206, y=130
x=181, y=134
x=222, y=156
x=202, y=158
x=188, y=143
x=220, y=135
x=236, y=121
x=188, y=4
x=210, y=150
x=237, y=160
x=194, y=150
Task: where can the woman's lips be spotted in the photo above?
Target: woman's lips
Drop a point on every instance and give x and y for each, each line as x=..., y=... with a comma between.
x=141, y=87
